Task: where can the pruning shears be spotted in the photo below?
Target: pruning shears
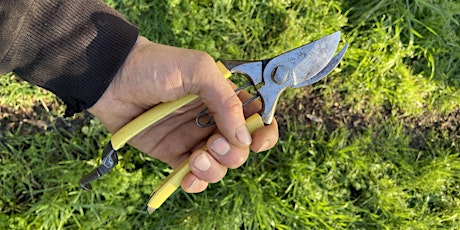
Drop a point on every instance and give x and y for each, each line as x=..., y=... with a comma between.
x=297, y=68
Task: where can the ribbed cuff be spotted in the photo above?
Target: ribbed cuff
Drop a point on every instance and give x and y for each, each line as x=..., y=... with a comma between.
x=73, y=48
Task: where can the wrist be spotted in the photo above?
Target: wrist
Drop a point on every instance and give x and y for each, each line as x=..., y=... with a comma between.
x=110, y=107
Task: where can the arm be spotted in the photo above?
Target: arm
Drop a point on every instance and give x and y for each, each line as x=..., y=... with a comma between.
x=71, y=47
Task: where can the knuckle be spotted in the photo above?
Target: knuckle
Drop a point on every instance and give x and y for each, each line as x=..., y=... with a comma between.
x=234, y=105
x=201, y=58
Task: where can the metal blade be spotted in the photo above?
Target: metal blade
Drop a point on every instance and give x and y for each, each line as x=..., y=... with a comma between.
x=328, y=69
x=294, y=68
x=304, y=62
x=321, y=53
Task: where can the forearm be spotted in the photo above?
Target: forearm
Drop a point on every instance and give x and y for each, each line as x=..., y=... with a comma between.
x=72, y=48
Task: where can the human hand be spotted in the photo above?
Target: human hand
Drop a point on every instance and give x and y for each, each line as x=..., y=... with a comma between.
x=154, y=73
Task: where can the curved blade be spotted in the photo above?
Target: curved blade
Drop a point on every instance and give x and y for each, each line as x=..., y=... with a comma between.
x=295, y=68
x=324, y=72
x=304, y=62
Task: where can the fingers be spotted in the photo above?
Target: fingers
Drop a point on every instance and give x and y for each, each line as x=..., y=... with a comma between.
x=226, y=154
x=211, y=166
x=204, y=169
x=192, y=184
x=222, y=154
x=265, y=138
x=223, y=103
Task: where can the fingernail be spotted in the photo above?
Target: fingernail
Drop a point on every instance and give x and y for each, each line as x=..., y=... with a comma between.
x=220, y=146
x=202, y=163
x=264, y=146
x=195, y=183
x=243, y=135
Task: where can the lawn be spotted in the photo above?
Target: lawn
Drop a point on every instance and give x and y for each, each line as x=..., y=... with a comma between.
x=373, y=146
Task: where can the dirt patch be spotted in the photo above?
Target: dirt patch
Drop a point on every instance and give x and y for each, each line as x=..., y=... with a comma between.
x=311, y=109
x=38, y=119
x=308, y=109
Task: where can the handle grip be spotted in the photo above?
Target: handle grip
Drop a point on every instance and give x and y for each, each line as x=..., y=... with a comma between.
x=173, y=181
x=150, y=117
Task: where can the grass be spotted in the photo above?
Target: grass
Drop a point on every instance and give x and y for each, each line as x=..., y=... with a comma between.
x=373, y=146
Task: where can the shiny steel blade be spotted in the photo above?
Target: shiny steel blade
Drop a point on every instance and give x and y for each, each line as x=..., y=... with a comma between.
x=318, y=57
x=328, y=69
x=294, y=68
x=305, y=61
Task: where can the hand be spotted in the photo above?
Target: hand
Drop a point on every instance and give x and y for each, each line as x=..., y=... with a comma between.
x=154, y=73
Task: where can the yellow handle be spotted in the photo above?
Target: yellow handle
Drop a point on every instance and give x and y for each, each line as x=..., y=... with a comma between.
x=153, y=115
x=173, y=181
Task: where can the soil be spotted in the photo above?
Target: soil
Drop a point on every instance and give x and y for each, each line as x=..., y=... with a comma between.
x=38, y=119
x=309, y=109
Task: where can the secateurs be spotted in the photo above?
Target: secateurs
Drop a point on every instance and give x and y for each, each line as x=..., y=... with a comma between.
x=294, y=69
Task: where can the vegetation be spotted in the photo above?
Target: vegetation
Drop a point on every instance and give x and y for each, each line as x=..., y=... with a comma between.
x=373, y=146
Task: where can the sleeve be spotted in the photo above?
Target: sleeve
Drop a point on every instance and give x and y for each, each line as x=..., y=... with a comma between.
x=72, y=48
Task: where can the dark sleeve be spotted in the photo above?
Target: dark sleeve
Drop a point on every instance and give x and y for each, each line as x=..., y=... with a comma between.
x=71, y=47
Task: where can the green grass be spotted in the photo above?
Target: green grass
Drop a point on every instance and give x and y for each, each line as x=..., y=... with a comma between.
x=373, y=146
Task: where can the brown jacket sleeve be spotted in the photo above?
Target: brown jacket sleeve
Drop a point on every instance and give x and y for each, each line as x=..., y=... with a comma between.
x=71, y=47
